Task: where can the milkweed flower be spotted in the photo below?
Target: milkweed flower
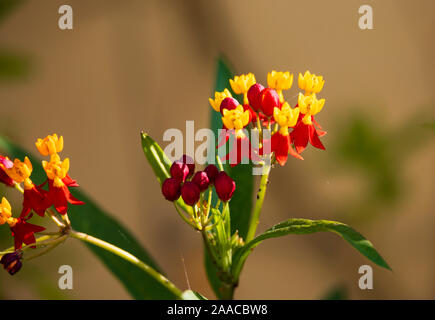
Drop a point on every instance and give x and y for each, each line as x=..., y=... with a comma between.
x=218, y=98
x=6, y=212
x=281, y=143
x=34, y=196
x=51, y=144
x=22, y=231
x=280, y=81
x=235, y=120
x=263, y=107
x=310, y=82
x=304, y=131
x=241, y=84
x=5, y=164
x=58, y=182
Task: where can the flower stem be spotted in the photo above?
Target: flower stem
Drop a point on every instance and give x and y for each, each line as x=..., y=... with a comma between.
x=53, y=245
x=40, y=242
x=255, y=218
x=130, y=258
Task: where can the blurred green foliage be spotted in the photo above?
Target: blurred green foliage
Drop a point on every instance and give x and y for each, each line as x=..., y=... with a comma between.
x=7, y=7
x=378, y=153
x=12, y=65
x=338, y=292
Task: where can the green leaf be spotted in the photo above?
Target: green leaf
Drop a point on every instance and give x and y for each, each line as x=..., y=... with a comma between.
x=92, y=220
x=241, y=203
x=160, y=164
x=305, y=226
x=192, y=295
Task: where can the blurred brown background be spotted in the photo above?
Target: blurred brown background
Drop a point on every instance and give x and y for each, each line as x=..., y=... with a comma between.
x=149, y=65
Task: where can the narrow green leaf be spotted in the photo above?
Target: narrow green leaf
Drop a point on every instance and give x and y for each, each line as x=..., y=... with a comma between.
x=192, y=295
x=305, y=226
x=92, y=220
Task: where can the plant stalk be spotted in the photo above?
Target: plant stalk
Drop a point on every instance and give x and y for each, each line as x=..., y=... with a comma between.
x=130, y=258
x=255, y=218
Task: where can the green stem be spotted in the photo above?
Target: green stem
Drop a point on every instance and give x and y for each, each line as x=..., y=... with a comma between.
x=255, y=218
x=130, y=258
x=53, y=245
x=53, y=217
x=184, y=217
x=209, y=248
x=40, y=242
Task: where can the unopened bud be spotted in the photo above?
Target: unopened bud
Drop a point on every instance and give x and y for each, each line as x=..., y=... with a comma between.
x=171, y=189
x=190, y=193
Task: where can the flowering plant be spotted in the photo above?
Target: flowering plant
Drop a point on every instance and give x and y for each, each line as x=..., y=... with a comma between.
x=216, y=202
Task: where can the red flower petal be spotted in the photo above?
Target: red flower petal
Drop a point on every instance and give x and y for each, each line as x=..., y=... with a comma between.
x=240, y=149
x=34, y=199
x=299, y=136
x=314, y=138
x=59, y=198
x=281, y=145
x=23, y=232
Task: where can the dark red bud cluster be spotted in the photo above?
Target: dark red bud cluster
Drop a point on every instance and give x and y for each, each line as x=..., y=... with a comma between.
x=190, y=190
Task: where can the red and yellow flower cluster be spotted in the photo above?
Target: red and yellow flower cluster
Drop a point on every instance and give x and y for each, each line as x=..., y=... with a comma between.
x=265, y=107
x=54, y=192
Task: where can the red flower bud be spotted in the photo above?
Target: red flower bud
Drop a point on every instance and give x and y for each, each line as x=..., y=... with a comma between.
x=224, y=186
x=4, y=178
x=171, y=189
x=269, y=100
x=212, y=171
x=254, y=96
x=179, y=171
x=190, y=193
x=201, y=180
x=229, y=104
x=12, y=262
x=190, y=164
